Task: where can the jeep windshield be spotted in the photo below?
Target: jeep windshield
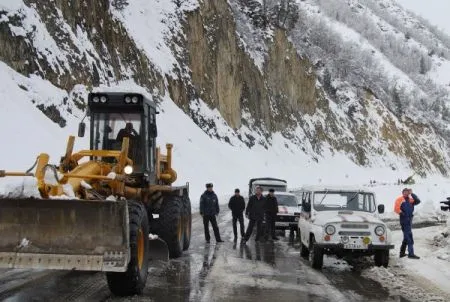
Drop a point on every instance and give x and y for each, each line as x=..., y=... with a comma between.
x=287, y=200
x=340, y=200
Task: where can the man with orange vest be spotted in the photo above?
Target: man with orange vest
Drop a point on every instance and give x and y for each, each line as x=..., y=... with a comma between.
x=404, y=206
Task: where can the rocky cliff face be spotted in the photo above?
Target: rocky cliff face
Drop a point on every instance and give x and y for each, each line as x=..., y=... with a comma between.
x=71, y=43
x=90, y=47
x=285, y=96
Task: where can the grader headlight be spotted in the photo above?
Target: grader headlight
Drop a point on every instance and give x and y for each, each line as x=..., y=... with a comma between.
x=128, y=169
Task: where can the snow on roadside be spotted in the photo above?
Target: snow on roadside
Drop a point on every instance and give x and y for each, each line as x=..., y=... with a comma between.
x=425, y=279
x=442, y=241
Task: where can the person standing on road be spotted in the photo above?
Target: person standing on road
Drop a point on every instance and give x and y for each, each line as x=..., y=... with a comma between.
x=237, y=207
x=404, y=206
x=271, y=210
x=255, y=212
x=209, y=208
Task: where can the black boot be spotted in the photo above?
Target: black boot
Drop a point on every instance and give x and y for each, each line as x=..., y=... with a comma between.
x=402, y=250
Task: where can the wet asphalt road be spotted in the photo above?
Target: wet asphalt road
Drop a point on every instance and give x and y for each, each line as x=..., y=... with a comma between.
x=210, y=272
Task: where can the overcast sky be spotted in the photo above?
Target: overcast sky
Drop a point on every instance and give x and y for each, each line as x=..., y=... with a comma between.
x=436, y=11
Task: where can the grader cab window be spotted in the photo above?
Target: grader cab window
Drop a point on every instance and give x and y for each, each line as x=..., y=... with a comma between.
x=110, y=129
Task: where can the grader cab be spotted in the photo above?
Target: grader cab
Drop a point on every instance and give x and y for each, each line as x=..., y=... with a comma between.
x=112, y=208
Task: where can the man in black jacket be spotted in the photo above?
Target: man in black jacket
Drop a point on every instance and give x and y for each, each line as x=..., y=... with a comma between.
x=271, y=209
x=237, y=207
x=209, y=208
x=255, y=212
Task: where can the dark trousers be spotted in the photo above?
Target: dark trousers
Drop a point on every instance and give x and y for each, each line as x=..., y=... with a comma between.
x=212, y=219
x=240, y=218
x=250, y=227
x=408, y=240
x=270, y=222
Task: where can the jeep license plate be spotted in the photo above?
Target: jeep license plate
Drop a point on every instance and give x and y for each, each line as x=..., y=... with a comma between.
x=354, y=246
x=281, y=223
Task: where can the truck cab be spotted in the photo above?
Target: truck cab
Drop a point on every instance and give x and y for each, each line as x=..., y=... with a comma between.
x=114, y=116
x=266, y=183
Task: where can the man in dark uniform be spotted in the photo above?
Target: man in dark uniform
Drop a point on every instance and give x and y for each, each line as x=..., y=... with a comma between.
x=237, y=207
x=209, y=208
x=255, y=212
x=271, y=210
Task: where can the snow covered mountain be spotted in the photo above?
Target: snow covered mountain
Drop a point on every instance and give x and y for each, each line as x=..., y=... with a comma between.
x=312, y=91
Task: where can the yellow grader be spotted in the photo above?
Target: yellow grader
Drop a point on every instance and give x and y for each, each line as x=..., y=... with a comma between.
x=112, y=208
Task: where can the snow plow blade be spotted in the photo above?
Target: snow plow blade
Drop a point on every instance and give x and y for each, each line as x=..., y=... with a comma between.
x=64, y=234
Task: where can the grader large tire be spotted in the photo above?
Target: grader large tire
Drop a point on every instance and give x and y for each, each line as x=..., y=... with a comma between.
x=132, y=282
x=187, y=214
x=170, y=225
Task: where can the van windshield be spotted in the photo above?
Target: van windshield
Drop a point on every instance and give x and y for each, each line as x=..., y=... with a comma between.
x=266, y=188
x=338, y=200
x=287, y=200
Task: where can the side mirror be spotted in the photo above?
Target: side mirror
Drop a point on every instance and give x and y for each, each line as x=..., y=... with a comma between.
x=381, y=208
x=81, y=129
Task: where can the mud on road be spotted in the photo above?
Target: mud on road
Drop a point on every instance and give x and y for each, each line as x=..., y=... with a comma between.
x=211, y=272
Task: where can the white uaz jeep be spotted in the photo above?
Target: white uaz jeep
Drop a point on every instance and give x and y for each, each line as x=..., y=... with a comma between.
x=342, y=222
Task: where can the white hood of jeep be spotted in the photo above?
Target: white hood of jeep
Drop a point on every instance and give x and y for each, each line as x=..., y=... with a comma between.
x=324, y=217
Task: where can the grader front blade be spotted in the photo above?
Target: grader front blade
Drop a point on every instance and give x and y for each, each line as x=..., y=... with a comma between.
x=64, y=234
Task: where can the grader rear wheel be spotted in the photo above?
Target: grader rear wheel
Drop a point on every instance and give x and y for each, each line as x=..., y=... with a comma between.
x=170, y=226
x=187, y=222
x=132, y=282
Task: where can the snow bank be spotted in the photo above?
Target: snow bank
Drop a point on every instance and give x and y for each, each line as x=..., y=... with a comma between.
x=442, y=241
x=431, y=272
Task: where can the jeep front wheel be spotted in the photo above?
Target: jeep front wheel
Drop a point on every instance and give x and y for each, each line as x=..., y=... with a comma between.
x=382, y=258
x=304, y=252
x=315, y=254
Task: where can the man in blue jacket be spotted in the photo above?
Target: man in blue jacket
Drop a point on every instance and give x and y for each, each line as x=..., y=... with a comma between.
x=408, y=201
x=209, y=208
